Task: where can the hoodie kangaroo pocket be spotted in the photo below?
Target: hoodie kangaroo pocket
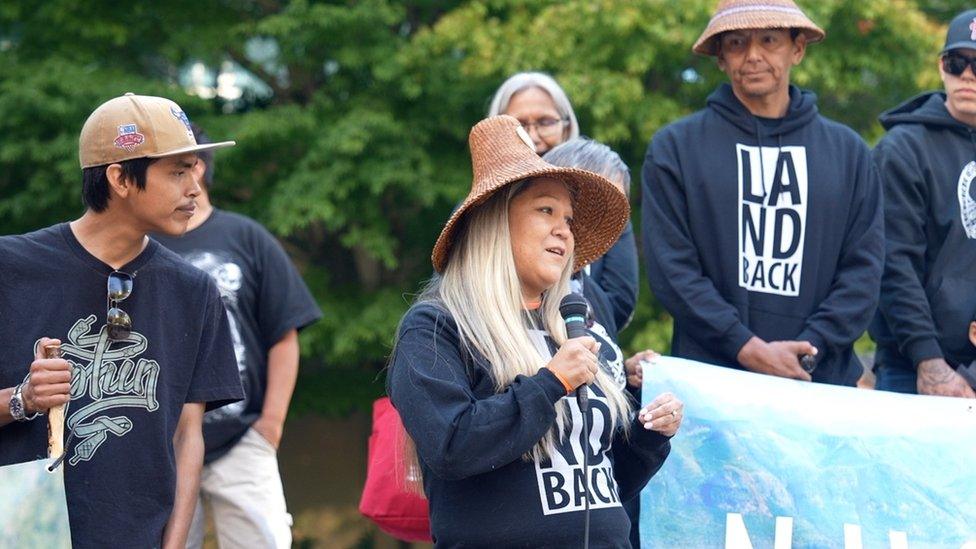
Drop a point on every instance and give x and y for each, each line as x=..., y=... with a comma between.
x=953, y=306
x=775, y=326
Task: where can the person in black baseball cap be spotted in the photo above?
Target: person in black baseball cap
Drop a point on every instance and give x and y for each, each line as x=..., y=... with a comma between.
x=927, y=163
x=958, y=54
x=962, y=32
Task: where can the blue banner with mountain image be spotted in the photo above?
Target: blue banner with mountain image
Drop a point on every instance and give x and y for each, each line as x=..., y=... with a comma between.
x=762, y=461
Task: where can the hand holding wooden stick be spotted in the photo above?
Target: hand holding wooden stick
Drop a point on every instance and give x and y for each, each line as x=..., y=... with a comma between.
x=55, y=416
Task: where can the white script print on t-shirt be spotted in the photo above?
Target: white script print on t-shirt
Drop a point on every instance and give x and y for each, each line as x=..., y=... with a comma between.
x=112, y=374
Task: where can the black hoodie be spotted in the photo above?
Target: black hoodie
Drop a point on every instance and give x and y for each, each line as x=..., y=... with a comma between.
x=787, y=249
x=471, y=439
x=927, y=164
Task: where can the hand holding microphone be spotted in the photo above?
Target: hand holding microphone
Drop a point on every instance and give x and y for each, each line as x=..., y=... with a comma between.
x=573, y=308
x=575, y=363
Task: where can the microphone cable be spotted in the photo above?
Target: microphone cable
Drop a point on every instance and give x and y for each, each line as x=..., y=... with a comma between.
x=573, y=309
x=585, y=412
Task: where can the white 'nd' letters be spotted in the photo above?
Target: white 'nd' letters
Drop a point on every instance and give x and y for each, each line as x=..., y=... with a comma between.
x=772, y=218
x=563, y=487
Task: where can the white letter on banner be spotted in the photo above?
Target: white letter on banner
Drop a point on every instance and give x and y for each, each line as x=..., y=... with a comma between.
x=897, y=540
x=736, y=535
x=852, y=537
x=784, y=533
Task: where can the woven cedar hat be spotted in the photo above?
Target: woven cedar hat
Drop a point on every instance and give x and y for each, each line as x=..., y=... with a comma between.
x=755, y=14
x=502, y=153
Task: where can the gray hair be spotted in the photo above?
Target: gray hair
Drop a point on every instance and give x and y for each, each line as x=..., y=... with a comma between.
x=525, y=80
x=587, y=154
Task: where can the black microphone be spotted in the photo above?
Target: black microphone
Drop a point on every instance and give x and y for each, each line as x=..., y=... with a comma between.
x=573, y=309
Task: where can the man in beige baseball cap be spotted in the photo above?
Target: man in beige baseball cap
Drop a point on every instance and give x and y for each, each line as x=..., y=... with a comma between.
x=136, y=126
x=119, y=145
x=144, y=337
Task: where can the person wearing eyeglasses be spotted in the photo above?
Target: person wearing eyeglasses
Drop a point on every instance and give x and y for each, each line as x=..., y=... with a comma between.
x=144, y=338
x=762, y=220
x=927, y=162
x=540, y=104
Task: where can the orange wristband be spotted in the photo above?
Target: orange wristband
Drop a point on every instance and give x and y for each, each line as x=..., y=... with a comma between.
x=566, y=385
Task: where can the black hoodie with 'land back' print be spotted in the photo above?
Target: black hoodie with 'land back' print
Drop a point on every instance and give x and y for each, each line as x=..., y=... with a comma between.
x=927, y=164
x=763, y=227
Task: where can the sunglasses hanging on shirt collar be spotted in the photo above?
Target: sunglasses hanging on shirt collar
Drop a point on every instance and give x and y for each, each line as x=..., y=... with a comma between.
x=118, y=323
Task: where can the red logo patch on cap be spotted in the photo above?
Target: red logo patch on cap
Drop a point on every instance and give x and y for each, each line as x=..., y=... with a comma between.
x=129, y=137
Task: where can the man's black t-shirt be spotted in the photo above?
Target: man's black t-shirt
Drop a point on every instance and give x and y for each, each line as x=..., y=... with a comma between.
x=265, y=297
x=126, y=396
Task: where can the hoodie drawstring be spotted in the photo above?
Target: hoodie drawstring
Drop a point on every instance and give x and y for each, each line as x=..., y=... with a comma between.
x=779, y=147
x=762, y=168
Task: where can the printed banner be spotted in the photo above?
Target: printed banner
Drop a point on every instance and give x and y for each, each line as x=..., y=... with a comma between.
x=33, y=510
x=762, y=461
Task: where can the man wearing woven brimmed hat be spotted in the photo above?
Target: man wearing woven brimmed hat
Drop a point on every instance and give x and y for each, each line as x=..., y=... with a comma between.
x=927, y=164
x=762, y=219
x=143, y=335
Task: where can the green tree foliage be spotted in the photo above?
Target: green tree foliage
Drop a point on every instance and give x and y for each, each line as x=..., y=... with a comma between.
x=359, y=153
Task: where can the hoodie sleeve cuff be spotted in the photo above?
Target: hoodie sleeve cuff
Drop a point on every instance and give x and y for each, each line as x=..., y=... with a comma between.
x=734, y=340
x=550, y=384
x=647, y=439
x=923, y=349
x=816, y=340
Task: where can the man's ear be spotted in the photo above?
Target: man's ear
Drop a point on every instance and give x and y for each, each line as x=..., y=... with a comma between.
x=799, y=48
x=720, y=60
x=972, y=332
x=200, y=170
x=118, y=185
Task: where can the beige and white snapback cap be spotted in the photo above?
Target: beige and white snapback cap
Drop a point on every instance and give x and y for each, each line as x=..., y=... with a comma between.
x=137, y=126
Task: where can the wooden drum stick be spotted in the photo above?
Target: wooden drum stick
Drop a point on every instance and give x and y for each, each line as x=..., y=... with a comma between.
x=55, y=416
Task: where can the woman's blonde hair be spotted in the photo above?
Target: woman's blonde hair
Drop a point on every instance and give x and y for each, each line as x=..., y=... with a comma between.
x=480, y=289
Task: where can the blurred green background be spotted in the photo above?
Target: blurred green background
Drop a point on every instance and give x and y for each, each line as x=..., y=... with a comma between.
x=351, y=120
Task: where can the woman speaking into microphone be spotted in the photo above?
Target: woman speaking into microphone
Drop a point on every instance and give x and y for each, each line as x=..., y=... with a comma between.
x=484, y=377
